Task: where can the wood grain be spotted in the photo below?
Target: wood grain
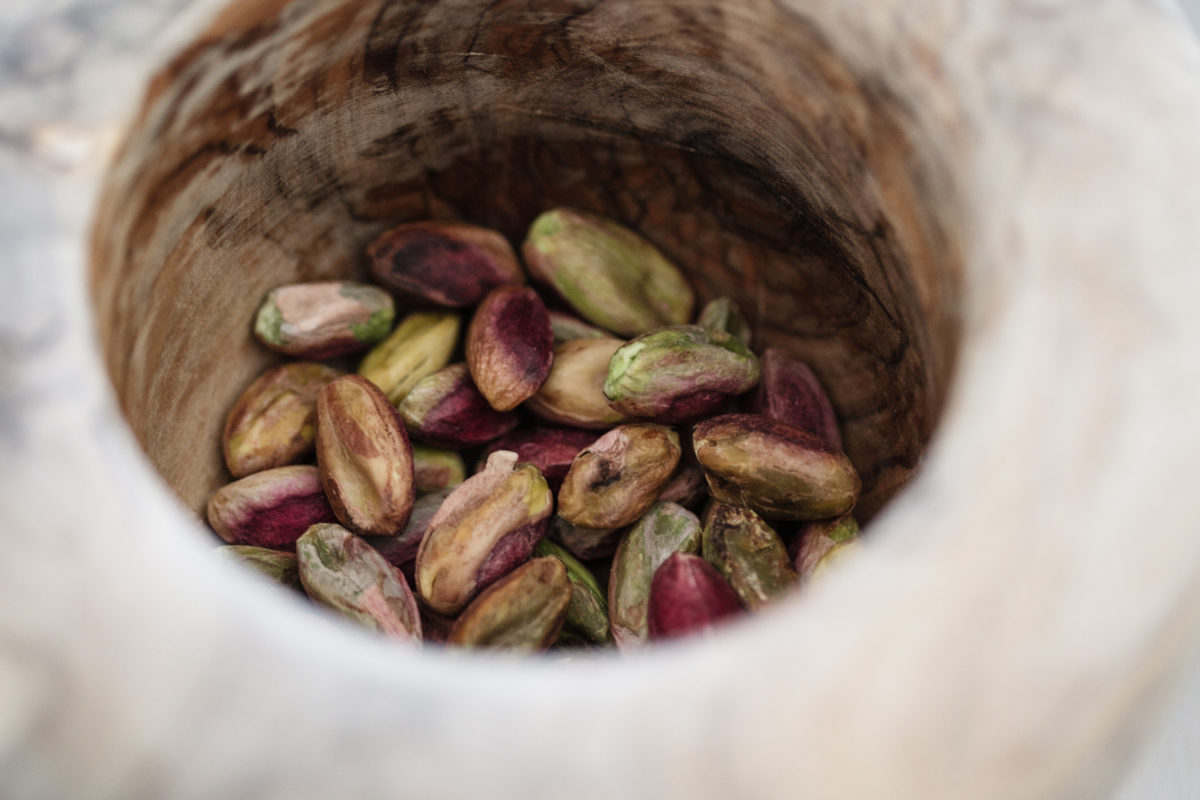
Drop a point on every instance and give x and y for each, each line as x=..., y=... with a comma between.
x=805, y=198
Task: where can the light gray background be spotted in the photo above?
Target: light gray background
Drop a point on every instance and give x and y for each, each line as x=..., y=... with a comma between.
x=1170, y=767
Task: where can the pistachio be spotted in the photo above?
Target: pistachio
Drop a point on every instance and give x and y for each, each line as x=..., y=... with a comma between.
x=613, y=481
x=835, y=559
x=324, y=319
x=610, y=275
x=364, y=456
x=486, y=527
x=723, y=314
x=790, y=392
x=400, y=551
x=587, y=613
x=551, y=450
x=272, y=508
x=679, y=373
x=435, y=469
x=274, y=422
x=780, y=471
x=274, y=564
x=665, y=529
x=421, y=345
x=510, y=346
x=748, y=552
x=586, y=542
x=573, y=393
x=341, y=571
x=567, y=327
x=687, y=596
x=446, y=410
x=522, y=611
x=816, y=538
x=687, y=486
x=448, y=264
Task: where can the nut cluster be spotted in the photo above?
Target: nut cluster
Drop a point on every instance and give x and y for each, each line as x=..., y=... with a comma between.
x=615, y=436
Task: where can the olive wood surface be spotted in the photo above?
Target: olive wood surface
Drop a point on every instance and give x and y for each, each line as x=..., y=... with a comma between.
x=975, y=215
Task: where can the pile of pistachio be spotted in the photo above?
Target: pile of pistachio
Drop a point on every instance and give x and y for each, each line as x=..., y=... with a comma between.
x=599, y=420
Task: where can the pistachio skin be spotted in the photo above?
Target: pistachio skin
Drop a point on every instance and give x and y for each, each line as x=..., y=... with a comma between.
x=510, y=346
x=524, y=610
x=323, y=319
x=420, y=345
x=436, y=469
x=587, y=613
x=665, y=529
x=790, y=392
x=444, y=264
x=776, y=469
x=679, y=373
x=550, y=449
x=277, y=565
x=401, y=550
x=567, y=327
x=364, y=456
x=342, y=572
x=610, y=275
x=814, y=539
x=484, y=529
x=748, y=553
x=446, y=410
x=573, y=393
x=687, y=596
x=272, y=508
x=618, y=477
x=724, y=314
x=274, y=421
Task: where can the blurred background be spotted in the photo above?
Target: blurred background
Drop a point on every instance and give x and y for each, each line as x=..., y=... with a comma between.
x=1192, y=9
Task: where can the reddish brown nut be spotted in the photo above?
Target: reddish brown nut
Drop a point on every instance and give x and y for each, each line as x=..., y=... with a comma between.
x=446, y=410
x=510, y=346
x=573, y=394
x=485, y=528
x=324, y=319
x=614, y=481
x=789, y=391
x=688, y=596
x=365, y=459
x=274, y=422
x=448, y=264
x=780, y=471
x=551, y=450
x=272, y=508
x=524, y=610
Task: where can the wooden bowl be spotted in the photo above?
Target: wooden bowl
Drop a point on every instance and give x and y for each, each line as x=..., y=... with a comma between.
x=973, y=219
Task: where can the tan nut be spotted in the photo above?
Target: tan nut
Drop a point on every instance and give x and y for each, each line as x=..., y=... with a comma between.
x=274, y=422
x=613, y=482
x=364, y=456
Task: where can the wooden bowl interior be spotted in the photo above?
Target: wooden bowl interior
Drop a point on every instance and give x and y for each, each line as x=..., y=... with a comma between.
x=730, y=134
